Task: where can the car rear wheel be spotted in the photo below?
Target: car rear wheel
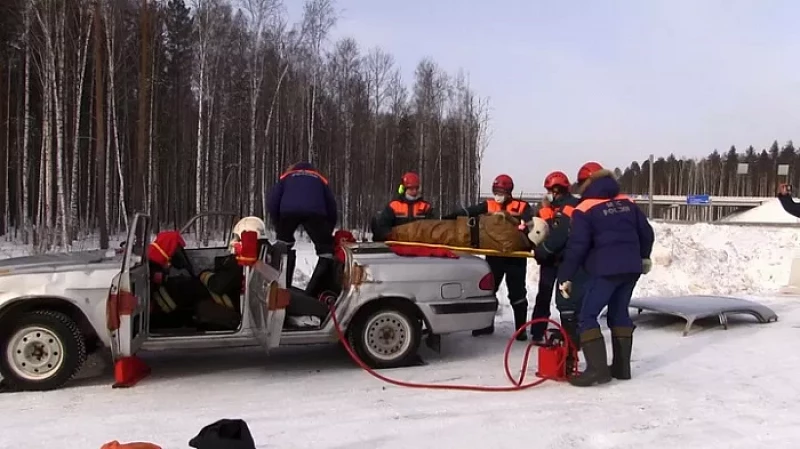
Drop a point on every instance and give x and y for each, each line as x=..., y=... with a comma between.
x=387, y=337
x=43, y=350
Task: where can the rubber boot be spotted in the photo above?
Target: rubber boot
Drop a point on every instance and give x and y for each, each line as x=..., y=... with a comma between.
x=291, y=261
x=520, y=318
x=594, y=351
x=570, y=324
x=320, y=278
x=622, y=344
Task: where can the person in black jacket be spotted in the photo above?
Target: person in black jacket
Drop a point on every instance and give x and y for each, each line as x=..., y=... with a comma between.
x=514, y=269
x=788, y=204
x=408, y=206
x=556, y=211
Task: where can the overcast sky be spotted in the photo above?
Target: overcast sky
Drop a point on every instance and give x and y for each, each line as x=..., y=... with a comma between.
x=610, y=80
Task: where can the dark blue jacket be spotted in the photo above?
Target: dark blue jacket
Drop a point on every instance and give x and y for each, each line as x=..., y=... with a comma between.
x=609, y=234
x=302, y=191
x=551, y=250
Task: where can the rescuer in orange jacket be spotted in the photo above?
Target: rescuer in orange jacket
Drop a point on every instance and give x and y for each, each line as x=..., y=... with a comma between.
x=514, y=269
x=557, y=211
x=406, y=207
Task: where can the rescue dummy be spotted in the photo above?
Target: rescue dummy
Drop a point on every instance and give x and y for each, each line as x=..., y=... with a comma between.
x=513, y=269
x=172, y=297
x=499, y=231
x=406, y=207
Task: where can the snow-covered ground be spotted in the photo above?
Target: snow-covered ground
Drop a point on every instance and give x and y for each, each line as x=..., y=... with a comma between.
x=713, y=388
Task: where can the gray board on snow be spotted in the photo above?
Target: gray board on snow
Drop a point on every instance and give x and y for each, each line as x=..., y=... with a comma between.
x=692, y=308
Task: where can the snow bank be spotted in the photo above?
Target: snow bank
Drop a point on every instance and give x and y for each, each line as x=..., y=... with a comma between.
x=712, y=259
x=768, y=212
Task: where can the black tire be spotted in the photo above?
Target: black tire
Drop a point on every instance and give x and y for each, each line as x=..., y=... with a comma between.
x=403, y=325
x=66, y=334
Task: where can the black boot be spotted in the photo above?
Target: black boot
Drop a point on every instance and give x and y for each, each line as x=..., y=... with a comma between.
x=520, y=318
x=622, y=344
x=321, y=277
x=594, y=351
x=570, y=324
x=485, y=331
x=291, y=261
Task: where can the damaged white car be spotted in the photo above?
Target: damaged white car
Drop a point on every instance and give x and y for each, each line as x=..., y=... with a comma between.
x=55, y=309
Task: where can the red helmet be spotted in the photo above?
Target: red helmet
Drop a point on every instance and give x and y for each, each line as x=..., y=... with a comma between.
x=587, y=170
x=556, y=178
x=503, y=183
x=410, y=180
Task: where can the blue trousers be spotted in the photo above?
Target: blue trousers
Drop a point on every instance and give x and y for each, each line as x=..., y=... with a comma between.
x=612, y=291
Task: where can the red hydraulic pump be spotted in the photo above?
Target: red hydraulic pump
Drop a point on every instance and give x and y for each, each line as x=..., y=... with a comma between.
x=552, y=357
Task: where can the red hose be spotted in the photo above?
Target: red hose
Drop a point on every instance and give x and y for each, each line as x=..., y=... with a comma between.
x=517, y=384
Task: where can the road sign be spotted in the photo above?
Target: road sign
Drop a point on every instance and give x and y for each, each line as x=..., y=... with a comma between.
x=783, y=169
x=698, y=200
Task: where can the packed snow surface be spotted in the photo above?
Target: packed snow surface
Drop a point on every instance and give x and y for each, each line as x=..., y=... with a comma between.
x=713, y=388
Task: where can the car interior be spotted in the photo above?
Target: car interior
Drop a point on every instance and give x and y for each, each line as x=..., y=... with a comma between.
x=202, y=292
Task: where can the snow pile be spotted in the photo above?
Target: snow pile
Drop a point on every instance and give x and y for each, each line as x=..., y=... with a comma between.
x=713, y=259
x=710, y=259
x=768, y=212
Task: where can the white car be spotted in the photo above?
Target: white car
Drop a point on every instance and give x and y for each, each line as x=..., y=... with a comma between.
x=56, y=309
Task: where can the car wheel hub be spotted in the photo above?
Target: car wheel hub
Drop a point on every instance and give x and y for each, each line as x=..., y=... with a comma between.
x=35, y=353
x=387, y=335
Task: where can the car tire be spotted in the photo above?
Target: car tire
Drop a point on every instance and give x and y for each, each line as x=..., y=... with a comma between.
x=41, y=350
x=387, y=336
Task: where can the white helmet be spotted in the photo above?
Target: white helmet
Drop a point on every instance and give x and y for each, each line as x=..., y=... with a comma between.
x=253, y=224
x=537, y=231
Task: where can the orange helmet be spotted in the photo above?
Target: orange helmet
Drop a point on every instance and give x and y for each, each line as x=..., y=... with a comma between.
x=410, y=180
x=556, y=178
x=503, y=183
x=587, y=170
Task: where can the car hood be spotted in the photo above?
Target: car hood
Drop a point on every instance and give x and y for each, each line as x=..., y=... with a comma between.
x=49, y=262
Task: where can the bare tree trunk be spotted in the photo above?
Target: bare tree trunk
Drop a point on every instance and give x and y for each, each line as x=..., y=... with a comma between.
x=99, y=141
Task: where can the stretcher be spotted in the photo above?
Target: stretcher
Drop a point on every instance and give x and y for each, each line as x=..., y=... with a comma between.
x=465, y=249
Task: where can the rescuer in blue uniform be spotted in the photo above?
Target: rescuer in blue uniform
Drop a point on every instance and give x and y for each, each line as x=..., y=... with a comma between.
x=612, y=239
x=302, y=197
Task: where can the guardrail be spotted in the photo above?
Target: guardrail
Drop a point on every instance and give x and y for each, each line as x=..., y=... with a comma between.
x=698, y=200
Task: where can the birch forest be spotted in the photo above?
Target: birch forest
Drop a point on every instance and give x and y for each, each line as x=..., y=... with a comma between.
x=173, y=107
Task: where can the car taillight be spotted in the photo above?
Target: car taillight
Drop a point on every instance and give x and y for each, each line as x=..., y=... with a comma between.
x=487, y=282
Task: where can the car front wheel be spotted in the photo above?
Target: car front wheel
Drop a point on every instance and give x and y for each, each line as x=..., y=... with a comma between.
x=387, y=337
x=42, y=350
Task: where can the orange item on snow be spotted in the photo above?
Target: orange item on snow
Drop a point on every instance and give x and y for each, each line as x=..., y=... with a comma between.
x=164, y=246
x=135, y=445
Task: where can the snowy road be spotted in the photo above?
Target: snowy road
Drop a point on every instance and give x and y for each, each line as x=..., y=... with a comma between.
x=714, y=388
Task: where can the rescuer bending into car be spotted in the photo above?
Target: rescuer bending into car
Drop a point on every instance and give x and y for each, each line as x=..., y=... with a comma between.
x=302, y=197
x=612, y=239
x=514, y=269
x=408, y=206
